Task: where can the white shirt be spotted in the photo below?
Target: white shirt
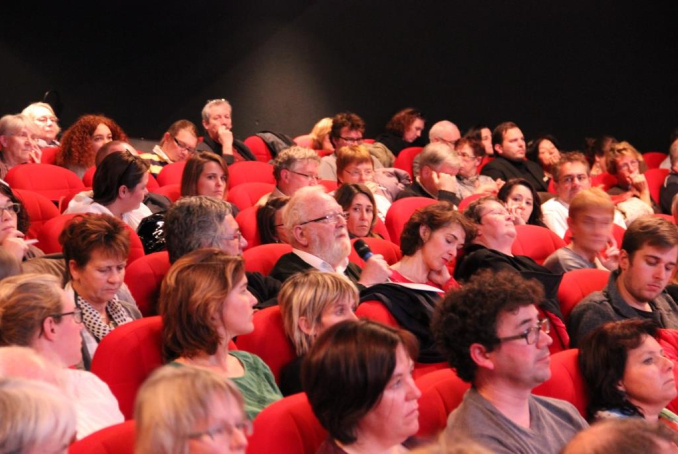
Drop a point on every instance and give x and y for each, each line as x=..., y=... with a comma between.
x=319, y=264
x=83, y=203
x=555, y=213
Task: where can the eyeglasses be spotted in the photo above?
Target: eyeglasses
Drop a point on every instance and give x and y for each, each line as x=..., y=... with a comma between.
x=235, y=236
x=46, y=119
x=569, y=179
x=310, y=177
x=451, y=143
x=244, y=427
x=629, y=165
x=183, y=146
x=76, y=313
x=531, y=334
x=352, y=139
x=464, y=155
x=360, y=173
x=332, y=217
x=11, y=207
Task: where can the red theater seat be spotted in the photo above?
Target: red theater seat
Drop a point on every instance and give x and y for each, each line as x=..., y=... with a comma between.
x=88, y=177
x=118, y=439
x=246, y=195
x=250, y=172
x=400, y=212
x=263, y=258
x=655, y=179
x=171, y=173
x=39, y=208
x=577, y=284
x=259, y=148
x=653, y=159
x=390, y=251
x=536, y=242
x=466, y=201
x=143, y=277
x=441, y=392
x=566, y=382
x=405, y=159
x=50, y=181
x=171, y=191
x=247, y=221
x=49, y=155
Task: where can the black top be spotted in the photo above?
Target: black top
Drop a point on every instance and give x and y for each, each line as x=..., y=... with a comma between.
x=417, y=190
x=503, y=168
x=217, y=148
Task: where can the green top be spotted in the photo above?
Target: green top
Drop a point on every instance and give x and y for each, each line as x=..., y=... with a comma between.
x=257, y=385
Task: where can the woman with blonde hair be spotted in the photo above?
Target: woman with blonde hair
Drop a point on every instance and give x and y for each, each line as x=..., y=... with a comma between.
x=47, y=122
x=190, y=410
x=18, y=135
x=310, y=302
x=204, y=303
x=631, y=193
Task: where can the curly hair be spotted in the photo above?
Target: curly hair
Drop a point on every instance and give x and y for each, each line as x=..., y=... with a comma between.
x=76, y=148
x=602, y=358
x=402, y=120
x=469, y=315
x=434, y=217
x=536, y=217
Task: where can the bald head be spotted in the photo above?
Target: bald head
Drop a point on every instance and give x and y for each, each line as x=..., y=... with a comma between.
x=444, y=131
x=630, y=436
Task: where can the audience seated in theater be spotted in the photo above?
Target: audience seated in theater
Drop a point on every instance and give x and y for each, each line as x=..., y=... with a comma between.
x=204, y=222
x=47, y=122
x=637, y=289
x=177, y=145
x=626, y=372
x=310, y=302
x=630, y=436
x=592, y=244
x=358, y=201
x=491, y=249
x=270, y=221
x=595, y=150
x=404, y=128
x=205, y=174
x=439, y=165
x=509, y=161
x=347, y=129
x=80, y=142
x=570, y=176
x=14, y=224
x=358, y=378
x=218, y=124
x=632, y=193
x=443, y=131
x=320, y=135
x=95, y=248
x=544, y=150
x=469, y=182
x=119, y=188
x=18, y=136
x=190, y=410
x=294, y=168
x=522, y=201
x=354, y=165
x=316, y=227
x=483, y=134
x=36, y=418
x=430, y=241
x=670, y=187
x=491, y=334
x=9, y=265
x=204, y=304
x=35, y=313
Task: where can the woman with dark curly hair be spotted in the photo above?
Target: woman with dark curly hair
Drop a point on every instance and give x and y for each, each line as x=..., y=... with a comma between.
x=80, y=142
x=404, y=128
x=14, y=224
x=627, y=373
x=522, y=201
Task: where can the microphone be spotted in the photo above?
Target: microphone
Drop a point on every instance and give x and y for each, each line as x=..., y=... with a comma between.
x=363, y=250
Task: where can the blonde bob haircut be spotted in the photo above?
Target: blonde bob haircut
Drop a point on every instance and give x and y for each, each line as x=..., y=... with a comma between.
x=173, y=401
x=591, y=199
x=354, y=154
x=191, y=298
x=33, y=414
x=31, y=111
x=620, y=149
x=307, y=295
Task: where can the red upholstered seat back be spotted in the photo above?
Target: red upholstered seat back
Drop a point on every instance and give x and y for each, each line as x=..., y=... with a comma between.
x=405, y=158
x=400, y=212
x=441, y=392
x=48, y=180
x=259, y=148
x=287, y=426
x=268, y=340
x=390, y=251
x=117, y=439
x=143, y=277
x=466, y=201
x=653, y=159
x=655, y=179
x=250, y=172
x=263, y=258
x=171, y=173
x=171, y=191
x=577, y=284
x=380, y=229
x=88, y=177
x=39, y=208
x=247, y=221
x=246, y=195
x=566, y=381
x=536, y=242
x=375, y=310
x=49, y=155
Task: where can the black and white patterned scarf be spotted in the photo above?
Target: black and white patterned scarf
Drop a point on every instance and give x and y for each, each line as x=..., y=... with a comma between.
x=93, y=321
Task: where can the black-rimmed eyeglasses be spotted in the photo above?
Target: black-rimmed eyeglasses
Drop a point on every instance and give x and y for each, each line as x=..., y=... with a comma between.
x=332, y=217
x=531, y=334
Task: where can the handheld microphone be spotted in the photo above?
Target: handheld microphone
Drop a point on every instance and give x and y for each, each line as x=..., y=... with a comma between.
x=363, y=250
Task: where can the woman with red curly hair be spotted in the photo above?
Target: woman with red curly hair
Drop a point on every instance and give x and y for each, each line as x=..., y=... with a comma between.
x=83, y=139
x=404, y=128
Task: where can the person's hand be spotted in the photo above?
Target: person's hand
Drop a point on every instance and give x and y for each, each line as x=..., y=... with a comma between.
x=440, y=277
x=444, y=181
x=35, y=155
x=517, y=212
x=376, y=271
x=14, y=244
x=226, y=139
x=500, y=183
x=639, y=183
x=609, y=258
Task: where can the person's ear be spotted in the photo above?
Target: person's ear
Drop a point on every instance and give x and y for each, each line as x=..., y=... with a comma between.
x=425, y=172
x=624, y=260
x=300, y=236
x=73, y=270
x=49, y=328
x=481, y=356
x=621, y=387
x=3, y=141
x=306, y=327
x=498, y=149
x=424, y=232
x=123, y=191
x=285, y=175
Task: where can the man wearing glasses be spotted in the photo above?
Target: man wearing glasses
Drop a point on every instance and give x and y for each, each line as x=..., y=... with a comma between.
x=491, y=334
x=294, y=168
x=570, y=176
x=317, y=231
x=347, y=129
x=177, y=145
x=217, y=121
x=647, y=261
x=443, y=131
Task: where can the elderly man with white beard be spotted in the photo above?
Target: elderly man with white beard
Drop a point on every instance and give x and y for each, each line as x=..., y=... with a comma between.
x=316, y=227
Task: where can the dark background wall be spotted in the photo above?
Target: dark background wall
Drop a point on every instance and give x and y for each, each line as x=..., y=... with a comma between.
x=571, y=68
